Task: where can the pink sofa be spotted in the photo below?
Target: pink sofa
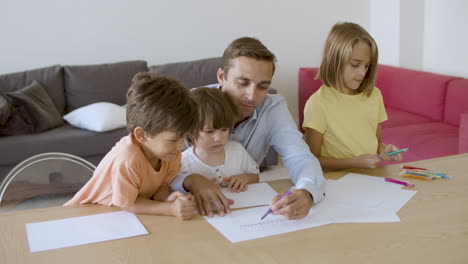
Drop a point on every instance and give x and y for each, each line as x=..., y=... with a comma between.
x=427, y=112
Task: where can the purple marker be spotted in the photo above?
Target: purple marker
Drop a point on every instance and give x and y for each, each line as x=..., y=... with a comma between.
x=282, y=196
x=399, y=182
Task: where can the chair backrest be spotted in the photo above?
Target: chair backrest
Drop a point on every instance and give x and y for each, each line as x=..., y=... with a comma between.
x=44, y=180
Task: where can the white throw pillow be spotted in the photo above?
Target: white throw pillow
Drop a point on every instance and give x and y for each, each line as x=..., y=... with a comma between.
x=98, y=117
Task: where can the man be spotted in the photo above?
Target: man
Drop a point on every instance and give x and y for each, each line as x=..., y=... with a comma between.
x=264, y=120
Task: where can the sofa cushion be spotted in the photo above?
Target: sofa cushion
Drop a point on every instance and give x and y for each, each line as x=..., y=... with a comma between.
x=11, y=120
x=192, y=73
x=417, y=92
x=65, y=138
x=89, y=84
x=402, y=118
x=426, y=140
x=35, y=107
x=456, y=101
x=98, y=117
x=50, y=77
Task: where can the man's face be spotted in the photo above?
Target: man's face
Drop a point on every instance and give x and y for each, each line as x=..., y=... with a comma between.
x=247, y=82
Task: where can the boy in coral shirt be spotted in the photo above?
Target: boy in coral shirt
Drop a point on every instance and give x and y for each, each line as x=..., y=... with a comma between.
x=136, y=173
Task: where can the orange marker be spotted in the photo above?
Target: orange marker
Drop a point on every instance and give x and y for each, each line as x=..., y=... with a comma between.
x=417, y=177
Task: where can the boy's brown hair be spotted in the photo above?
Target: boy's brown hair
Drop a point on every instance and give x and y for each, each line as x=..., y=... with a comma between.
x=337, y=53
x=246, y=47
x=159, y=103
x=215, y=108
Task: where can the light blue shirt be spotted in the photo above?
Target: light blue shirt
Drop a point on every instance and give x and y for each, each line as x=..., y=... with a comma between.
x=271, y=124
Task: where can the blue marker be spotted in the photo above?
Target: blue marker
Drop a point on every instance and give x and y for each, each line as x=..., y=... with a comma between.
x=269, y=211
x=396, y=152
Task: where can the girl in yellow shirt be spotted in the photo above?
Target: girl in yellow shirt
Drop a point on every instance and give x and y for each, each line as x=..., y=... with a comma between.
x=342, y=120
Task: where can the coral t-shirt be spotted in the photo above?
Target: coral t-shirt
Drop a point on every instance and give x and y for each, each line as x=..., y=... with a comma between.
x=123, y=175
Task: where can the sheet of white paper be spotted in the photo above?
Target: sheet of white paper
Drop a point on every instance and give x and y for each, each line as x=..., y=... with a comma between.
x=352, y=199
x=355, y=189
x=245, y=224
x=340, y=213
x=256, y=194
x=361, y=190
x=83, y=230
x=398, y=200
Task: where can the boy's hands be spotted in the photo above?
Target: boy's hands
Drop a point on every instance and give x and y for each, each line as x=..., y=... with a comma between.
x=238, y=183
x=367, y=161
x=183, y=206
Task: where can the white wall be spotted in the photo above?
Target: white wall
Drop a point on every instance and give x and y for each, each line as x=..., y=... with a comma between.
x=428, y=35
x=412, y=34
x=41, y=33
x=385, y=29
x=446, y=37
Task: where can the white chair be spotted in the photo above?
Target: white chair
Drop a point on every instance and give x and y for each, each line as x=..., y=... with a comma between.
x=44, y=180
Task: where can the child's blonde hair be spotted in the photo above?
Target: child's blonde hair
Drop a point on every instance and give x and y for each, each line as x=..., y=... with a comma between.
x=214, y=106
x=337, y=53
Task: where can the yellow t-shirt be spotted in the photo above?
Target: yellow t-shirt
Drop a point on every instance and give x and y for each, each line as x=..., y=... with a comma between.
x=348, y=123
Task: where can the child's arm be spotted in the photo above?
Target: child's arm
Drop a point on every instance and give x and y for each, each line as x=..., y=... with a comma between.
x=176, y=204
x=162, y=193
x=239, y=182
x=314, y=140
x=382, y=148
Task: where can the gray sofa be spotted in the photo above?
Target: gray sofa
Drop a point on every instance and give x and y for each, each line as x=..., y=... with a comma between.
x=71, y=87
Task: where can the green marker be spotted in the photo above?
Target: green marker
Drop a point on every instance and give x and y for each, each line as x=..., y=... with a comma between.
x=396, y=152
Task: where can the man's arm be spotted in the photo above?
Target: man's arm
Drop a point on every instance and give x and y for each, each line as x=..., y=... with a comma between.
x=304, y=169
x=206, y=193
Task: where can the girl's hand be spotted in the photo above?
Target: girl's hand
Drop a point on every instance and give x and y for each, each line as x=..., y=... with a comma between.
x=237, y=183
x=390, y=148
x=367, y=161
x=183, y=207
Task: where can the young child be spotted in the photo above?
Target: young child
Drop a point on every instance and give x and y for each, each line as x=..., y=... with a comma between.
x=211, y=154
x=136, y=173
x=342, y=119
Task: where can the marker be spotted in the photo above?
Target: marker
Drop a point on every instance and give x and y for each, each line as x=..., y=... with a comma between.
x=417, y=177
x=425, y=173
x=422, y=174
x=440, y=174
x=396, y=152
x=412, y=168
x=399, y=182
x=269, y=209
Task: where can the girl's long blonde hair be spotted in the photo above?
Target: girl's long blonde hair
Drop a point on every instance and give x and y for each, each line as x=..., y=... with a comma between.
x=337, y=54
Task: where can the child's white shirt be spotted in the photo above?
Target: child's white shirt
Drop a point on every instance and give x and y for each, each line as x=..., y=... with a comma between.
x=236, y=161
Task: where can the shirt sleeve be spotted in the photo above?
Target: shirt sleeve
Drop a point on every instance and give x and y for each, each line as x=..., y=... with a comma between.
x=382, y=113
x=125, y=184
x=304, y=169
x=314, y=115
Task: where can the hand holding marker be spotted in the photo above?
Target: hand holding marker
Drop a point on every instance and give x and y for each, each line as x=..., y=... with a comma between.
x=394, y=152
x=269, y=211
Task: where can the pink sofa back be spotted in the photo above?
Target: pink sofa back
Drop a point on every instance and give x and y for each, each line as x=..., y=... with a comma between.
x=435, y=96
x=456, y=101
x=416, y=92
x=307, y=86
